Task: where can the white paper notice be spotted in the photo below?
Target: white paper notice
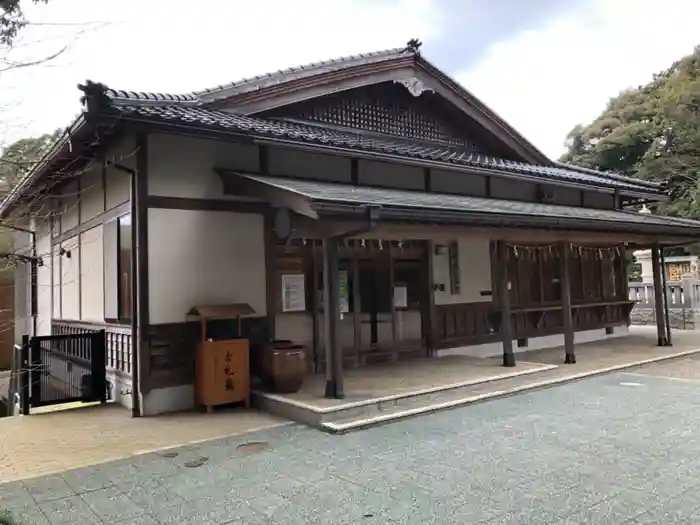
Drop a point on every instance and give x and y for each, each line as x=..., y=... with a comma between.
x=293, y=293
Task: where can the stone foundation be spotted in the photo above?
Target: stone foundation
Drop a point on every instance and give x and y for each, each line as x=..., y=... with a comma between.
x=679, y=318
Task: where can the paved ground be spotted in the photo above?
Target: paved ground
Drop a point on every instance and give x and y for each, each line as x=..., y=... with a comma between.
x=621, y=448
x=56, y=441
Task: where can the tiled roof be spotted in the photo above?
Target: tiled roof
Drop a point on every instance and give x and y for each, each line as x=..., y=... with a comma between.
x=197, y=116
x=329, y=192
x=255, y=83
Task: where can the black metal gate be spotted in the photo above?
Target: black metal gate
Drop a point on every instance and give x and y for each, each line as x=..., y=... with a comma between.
x=58, y=369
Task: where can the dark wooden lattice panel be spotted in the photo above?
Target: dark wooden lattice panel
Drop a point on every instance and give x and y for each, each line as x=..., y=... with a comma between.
x=388, y=109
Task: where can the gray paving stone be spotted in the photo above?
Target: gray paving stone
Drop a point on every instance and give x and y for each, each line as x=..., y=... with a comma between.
x=49, y=488
x=27, y=513
x=88, y=479
x=111, y=504
x=69, y=510
x=588, y=452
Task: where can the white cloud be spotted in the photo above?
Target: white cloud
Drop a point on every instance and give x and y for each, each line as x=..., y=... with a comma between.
x=167, y=46
x=546, y=81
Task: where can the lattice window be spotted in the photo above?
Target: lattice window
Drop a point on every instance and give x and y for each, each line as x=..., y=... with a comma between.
x=385, y=108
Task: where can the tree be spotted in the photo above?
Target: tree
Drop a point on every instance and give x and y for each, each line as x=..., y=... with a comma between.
x=12, y=20
x=18, y=158
x=651, y=132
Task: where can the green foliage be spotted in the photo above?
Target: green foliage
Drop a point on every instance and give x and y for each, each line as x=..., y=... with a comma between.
x=19, y=158
x=12, y=19
x=651, y=132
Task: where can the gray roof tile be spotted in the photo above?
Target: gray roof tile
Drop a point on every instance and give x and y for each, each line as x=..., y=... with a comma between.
x=198, y=116
x=356, y=195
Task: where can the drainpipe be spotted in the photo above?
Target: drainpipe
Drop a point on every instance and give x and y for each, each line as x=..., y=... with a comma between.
x=135, y=385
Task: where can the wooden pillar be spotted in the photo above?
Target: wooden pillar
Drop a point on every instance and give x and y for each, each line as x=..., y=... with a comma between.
x=661, y=337
x=504, y=303
x=356, y=307
x=331, y=314
x=565, y=286
x=428, y=298
x=667, y=319
x=392, y=306
x=314, y=301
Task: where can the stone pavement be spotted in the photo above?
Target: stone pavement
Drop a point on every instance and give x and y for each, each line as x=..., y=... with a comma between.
x=59, y=440
x=620, y=448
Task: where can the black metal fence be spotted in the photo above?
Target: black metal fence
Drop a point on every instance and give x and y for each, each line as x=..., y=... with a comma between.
x=56, y=369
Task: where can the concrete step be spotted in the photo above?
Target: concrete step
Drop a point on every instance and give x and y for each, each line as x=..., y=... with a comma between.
x=378, y=409
x=444, y=400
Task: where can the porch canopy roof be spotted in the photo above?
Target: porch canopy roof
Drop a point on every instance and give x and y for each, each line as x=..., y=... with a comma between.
x=315, y=198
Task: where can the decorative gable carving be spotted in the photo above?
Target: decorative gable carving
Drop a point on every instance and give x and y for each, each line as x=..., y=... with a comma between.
x=403, y=108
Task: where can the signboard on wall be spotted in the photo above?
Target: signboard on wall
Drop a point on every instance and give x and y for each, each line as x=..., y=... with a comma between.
x=293, y=293
x=400, y=296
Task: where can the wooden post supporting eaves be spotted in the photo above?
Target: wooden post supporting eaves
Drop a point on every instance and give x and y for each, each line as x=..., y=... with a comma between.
x=567, y=314
x=661, y=336
x=504, y=303
x=331, y=315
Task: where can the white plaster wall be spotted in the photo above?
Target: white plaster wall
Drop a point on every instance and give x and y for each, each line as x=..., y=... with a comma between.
x=70, y=206
x=44, y=296
x=92, y=198
x=70, y=287
x=118, y=182
x=390, y=175
x=164, y=400
x=200, y=257
x=21, y=289
x=474, y=271
x=183, y=166
x=307, y=165
x=92, y=275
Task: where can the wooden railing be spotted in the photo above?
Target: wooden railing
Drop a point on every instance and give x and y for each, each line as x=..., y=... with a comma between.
x=118, y=343
x=477, y=323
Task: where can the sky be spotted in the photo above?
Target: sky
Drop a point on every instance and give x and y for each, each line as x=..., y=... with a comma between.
x=542, y=65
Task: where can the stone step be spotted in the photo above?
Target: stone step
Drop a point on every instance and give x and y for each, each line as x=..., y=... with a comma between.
x=383, y=407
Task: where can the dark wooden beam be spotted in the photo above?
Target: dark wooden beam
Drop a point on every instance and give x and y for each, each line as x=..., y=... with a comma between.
x=356, y=304
x=314, y=302
x=392, y=306
x=354, y=172
x=427, y=180
x=263, y=159
x=185, y=203
x=331, y=312
x=504, y=303
x=428, y=313
x=661, y=336
x=667, y=319
x=565, y=286
x=271, y=282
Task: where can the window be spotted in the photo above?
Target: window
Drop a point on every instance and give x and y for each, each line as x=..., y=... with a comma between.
x=118, y=271
x=125, y=296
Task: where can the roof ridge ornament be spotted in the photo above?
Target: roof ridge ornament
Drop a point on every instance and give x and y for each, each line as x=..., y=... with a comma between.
x=415, y=85
x=95, y=98
x=413, y=46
